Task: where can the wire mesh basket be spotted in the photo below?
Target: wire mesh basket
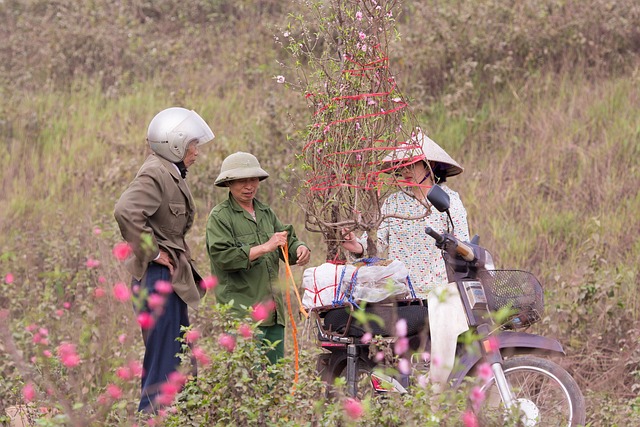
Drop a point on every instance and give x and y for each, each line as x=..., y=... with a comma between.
x=517, y=290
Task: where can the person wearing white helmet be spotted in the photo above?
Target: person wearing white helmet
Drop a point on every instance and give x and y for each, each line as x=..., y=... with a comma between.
x=402, y=237
x=154, y=214
x=244, y=237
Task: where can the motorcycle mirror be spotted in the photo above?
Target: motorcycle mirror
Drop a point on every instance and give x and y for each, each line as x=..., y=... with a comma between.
x=438, y=198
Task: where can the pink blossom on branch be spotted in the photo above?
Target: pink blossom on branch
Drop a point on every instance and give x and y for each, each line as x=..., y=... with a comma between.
x=262, y=311
x=353, y=408
x=485, y=373
x=163, y=287
x=67, y=355
x=191, y=336
x=8, y=279
x=227, y=342
x=92, y=263
x=146, y=320
x=114, y=391
x=121, y=292
x=245, y=331
x=124, y=373
x=201, y=356
x=156, y=302
x=476, y=396
x=209, y=282
x=122, y=251
x=28, y=392
x=469, y=419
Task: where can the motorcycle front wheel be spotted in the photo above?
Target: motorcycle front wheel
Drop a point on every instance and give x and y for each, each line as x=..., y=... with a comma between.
x=543, y=392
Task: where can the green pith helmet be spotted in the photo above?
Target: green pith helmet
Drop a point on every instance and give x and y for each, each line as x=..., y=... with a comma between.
x=172, y=129
x=238, y=166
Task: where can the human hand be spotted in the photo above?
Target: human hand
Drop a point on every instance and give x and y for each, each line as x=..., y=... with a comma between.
x=350, y=242
x=304, y=255
x=278, y=239
x=165, y=259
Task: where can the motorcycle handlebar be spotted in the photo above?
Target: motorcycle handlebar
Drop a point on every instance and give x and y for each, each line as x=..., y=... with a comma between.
x=462, y=249
x=433, y=233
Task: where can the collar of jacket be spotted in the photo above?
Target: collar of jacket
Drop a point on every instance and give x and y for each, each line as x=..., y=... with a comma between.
x=257, y=204
x=170, y=166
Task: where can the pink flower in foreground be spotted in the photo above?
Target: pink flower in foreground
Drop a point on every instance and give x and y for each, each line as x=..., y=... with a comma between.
x=177, y=377
x=262, y=311
x=162, y=400
x=124, y=373
x=227, y=342
x=114, y=391
x=476, y=396
x=28, y=392
x=67, y=355
x=353, y=408
x=170, y=388
x=366, y=338
x=122, y=251
x=404, y=366
x=201, y=356
x=245, y=331
x=191, y=336
x=92, y=263
x=401, y=328
x=136, y=368
x=8, y=279
x=469, y=419
x=145, y=320
x=484, y=372
x=401, y=346
x=121, y=292
x=163, y=287
x=209, y=282
x=155, y=302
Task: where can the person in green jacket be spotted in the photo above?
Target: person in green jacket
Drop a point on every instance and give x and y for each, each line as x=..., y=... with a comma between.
x=243, y=239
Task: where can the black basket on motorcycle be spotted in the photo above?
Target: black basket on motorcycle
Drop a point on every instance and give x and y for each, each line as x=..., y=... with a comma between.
x=338, y=321
x=517, y=290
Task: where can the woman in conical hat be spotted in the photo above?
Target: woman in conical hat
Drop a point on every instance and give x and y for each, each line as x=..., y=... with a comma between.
x=422, y=163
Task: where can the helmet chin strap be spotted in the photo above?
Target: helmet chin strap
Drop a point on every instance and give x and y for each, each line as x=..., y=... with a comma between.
x=428, y=174
x=183, y=169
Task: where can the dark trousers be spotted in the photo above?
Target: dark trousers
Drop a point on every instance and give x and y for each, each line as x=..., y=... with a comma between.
x=161, y=348
x=272, y=334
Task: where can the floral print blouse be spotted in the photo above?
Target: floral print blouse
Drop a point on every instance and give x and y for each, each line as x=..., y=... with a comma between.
x=406, y=240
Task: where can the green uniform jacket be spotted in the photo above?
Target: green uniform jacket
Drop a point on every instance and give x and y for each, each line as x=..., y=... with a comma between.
x=231, y=233
x=158, y=204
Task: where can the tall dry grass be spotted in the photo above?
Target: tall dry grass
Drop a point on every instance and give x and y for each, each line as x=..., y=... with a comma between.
x=538, y=101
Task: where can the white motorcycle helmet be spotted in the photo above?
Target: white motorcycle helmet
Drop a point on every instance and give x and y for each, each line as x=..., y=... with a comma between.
x=172, y=129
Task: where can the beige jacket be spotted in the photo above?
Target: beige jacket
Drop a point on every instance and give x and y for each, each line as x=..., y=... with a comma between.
x=156, y=211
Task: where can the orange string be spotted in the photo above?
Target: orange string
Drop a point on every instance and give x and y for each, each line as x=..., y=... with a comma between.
x=294, y=329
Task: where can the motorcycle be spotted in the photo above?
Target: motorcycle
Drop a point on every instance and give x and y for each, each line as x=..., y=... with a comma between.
x=523, y=378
